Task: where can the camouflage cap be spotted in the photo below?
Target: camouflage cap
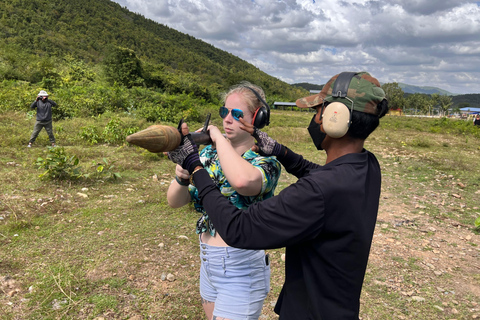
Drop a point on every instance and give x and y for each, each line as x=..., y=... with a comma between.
x=364, y=90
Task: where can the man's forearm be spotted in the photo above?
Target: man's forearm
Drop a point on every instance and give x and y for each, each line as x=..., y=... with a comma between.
x=295, y=164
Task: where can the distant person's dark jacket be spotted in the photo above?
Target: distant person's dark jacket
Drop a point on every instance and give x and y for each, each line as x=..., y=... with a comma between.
x=44, y=109
x=476, y=122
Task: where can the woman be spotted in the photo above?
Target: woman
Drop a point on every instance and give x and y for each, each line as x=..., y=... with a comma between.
x=233, y=282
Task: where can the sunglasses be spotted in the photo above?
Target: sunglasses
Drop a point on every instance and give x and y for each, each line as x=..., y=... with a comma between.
x=236, y=113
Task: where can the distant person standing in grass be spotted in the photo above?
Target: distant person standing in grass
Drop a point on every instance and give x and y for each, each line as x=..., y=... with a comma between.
x=477, y=120
x=44, y=117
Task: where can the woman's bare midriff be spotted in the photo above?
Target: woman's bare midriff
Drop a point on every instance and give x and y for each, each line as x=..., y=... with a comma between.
x=216, y=240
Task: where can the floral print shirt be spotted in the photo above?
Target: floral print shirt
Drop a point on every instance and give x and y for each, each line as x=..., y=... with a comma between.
x=268, y=166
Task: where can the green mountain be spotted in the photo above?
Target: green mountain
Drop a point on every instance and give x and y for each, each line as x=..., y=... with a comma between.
x=308, y=86
x=56, y=44
x=407, y=88
x=95, y=56
x=467, y=100
x=459, y=100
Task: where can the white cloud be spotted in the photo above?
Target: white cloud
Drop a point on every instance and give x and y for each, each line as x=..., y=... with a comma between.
x=427, y=7
x=459, y=49
x=422, y=42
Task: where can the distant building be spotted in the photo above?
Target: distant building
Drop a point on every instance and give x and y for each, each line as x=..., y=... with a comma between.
x=279, y=105
x=469, y=113
x=470, y=110
x=283, y=105
x=397, y=112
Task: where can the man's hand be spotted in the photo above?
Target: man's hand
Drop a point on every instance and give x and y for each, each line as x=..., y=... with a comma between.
x=186, y=153
x=265, y=146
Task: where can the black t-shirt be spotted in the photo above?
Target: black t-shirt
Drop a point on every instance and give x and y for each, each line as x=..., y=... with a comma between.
x=326, y=222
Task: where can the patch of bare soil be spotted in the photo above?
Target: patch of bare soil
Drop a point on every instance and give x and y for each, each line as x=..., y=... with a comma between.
x=425, y=259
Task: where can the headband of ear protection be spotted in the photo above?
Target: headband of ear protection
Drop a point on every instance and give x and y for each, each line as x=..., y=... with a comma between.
x=261, y=118
x=336, y=116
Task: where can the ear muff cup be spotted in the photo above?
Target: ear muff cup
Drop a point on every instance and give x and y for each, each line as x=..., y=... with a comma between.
x=336, y=119
x=260, y=118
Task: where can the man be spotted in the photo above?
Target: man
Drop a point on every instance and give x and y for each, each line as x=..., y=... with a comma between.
x=477, y=120
x=327, y=218
x=44, y=117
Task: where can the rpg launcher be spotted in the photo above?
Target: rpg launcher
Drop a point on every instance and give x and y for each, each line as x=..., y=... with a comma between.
x=160, y=138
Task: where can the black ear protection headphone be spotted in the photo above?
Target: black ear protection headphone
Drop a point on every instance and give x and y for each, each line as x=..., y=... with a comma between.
x=261, y=118
x=336, y=117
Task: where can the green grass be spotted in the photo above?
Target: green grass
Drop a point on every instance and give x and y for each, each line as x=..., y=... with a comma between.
x=73, y=257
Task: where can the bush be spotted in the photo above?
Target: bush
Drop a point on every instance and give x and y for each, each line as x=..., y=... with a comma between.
x=121, y=65
x=58, y=165
x=16, y=95
x=103, y=169
x=114, y=132
x=454, y=126
x=90, y=134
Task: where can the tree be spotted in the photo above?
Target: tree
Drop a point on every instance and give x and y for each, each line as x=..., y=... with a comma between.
x=464, y=105
x=444, y=103
x=121, y=65
x=434, y=100
x=428, y=104
x=417, y=102
x=395, y=95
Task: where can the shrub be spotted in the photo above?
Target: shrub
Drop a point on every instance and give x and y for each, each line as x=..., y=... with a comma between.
x=115, y=132
x=16, y=95
x=90, y=134
x=103, y=169
x=58, y=165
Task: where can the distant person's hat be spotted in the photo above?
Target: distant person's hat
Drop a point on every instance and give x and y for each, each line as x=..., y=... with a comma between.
x=364, y=90
x=43, y=93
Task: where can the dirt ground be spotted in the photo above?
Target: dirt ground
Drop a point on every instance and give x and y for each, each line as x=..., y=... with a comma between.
x=423, y=264
x=425, y=259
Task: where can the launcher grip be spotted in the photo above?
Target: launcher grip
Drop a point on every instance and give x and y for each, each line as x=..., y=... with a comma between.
x=159, y=138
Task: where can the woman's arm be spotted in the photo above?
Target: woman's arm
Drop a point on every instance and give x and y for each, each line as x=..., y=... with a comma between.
x=242, y=175
x=177, y=194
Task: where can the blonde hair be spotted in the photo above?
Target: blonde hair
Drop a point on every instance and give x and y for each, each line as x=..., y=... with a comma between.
x=250, y=98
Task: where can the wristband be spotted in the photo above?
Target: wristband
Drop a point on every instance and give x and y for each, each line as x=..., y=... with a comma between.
x=182, y=182
x=194, y=171
x=191, y=162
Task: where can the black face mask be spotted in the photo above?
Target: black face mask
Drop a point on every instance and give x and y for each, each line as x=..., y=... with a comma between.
x=316, y=134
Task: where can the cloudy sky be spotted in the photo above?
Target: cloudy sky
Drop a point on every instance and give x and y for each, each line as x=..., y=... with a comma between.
x=418, y=42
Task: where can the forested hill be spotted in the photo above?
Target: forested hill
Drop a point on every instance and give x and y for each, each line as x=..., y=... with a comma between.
x=87, y=29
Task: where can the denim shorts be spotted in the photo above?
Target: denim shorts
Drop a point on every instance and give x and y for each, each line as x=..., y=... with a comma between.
x=236, y=280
